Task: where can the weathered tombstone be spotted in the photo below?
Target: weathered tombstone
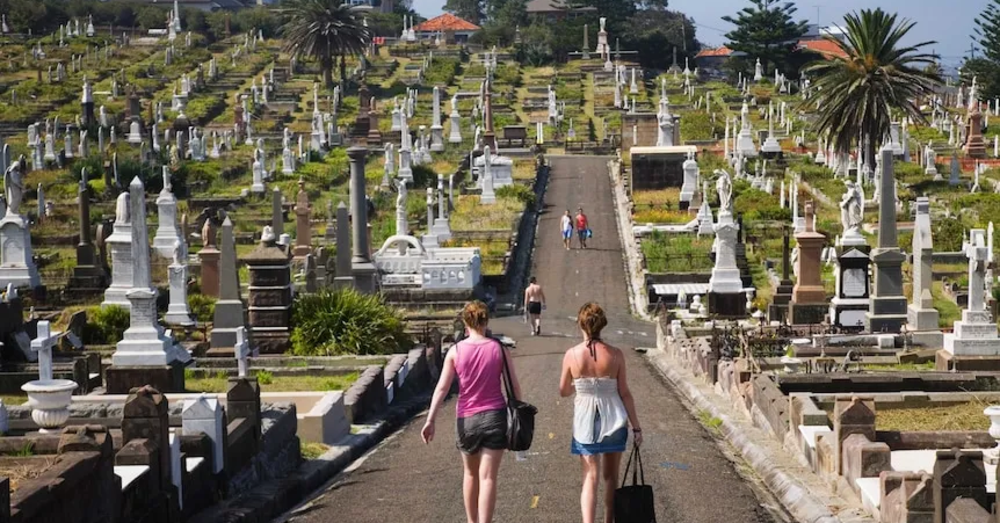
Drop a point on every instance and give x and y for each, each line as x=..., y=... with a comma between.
x=922, y=317
x=177, y=309
x=958, y=474
x=229, y=315
x=270, y=299
x=303, y=227
x=362, y=268
x=17, y=266
x=809, y=302
x=204, y=414
x=887, y=311
x=120, y=245
x=88, y=273
x=166, y=230
x=343, y=277
x=209, y=257
x=725, y=287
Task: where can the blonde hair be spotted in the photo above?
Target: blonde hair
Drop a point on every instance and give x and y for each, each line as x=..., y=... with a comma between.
x=476, y=315
x=591, y=319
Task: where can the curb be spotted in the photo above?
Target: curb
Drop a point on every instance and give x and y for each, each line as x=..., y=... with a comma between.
x=807, y=501
x=274, y=499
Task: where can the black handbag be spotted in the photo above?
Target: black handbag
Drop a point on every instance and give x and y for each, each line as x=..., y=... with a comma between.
x=520, y=415
x=634, y=503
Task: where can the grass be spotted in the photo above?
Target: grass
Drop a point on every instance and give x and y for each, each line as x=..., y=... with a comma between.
x=677, y=253
x=312, y=450
x=278, y=383
x=470, y=215
x=964, y=416
x=658, y=197
x=900, y=367
x=19, y=473
x=948, y=311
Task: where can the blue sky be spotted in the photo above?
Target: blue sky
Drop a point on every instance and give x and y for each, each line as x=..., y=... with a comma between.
x=949, y=22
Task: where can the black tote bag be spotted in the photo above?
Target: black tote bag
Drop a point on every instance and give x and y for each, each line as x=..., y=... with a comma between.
x=520, y=415
x=634, y=503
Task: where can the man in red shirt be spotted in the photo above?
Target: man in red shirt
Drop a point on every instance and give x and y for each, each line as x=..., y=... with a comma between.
x=582, y=227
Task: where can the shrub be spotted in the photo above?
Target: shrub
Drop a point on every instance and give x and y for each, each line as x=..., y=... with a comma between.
x=755, y=205
x=346, y=321
x=423, y=177
x=521, y=193
x=265, y=377
x=105, y=325
x=202, y=307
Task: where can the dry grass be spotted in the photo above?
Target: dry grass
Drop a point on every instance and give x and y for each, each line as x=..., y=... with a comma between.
x=659, y=197
x=470, y=215
x=964, y=416
x=19, y=473
x=278, y=383
x=645, y=216
x=524, y=170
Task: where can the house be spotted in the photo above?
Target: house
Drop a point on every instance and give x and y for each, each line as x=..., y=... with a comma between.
x=712, y=59
x=554, y=10
x=452, y=27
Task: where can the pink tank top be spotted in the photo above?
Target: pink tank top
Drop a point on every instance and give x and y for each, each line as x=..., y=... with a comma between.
x=479, y=365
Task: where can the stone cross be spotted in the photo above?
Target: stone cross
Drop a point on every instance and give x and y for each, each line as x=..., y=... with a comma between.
x=42, y=344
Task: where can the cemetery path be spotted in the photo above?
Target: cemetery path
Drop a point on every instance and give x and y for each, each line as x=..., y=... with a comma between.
x=694, y=481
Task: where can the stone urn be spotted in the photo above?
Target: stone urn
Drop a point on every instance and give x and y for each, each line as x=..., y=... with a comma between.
x=791, y=364
x=49, y=401
x=992, y=456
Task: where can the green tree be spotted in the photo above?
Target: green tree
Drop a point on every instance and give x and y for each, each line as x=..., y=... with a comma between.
x=767, y=31
x=323, y=29
x=656, y=32
x=470, y=10
x=857, y=94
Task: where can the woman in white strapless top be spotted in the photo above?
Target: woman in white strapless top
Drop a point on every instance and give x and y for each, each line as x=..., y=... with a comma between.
x=602, y=410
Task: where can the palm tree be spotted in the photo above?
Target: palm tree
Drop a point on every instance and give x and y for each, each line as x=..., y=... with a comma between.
x=857, y=93
x=323, y=29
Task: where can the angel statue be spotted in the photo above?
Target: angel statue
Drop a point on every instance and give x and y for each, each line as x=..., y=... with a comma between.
x=851, y=209
x=13, y=185
x=724, y=186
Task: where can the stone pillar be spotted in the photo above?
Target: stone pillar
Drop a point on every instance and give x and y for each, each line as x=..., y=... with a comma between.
x=277, y=213
x=922, y=317
x=145, y=416
x=303, y=215
x=778, y=310
x=343, y=275
x=887, y=311
x=958, y=474
x=270, y=299
x=437, y=130
x=243, y=401
x=362, y=267
x=808, y=296
x=725, y=288
x=229, y=309
x=88, y=274
x=209, y=256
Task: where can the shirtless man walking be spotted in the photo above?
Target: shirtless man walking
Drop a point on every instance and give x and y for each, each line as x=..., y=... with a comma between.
x=534, y=302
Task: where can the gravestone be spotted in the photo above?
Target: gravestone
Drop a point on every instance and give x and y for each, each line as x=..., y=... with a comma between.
x=362, y=267
x=120, y=245
x=166, y=229
x=778, y=310
x=177, y=309
x=343, y=277
x=277, y=212
x=690, y=185
x=303, y=228
x=887, y=309
x=851, y=299
x=437, y=130
x=209, y=257
x=17, y=265
x=725, y=287
x=205, y=415
x=89, y=272
x=229, y=315
x=270, y=299
x=808, y=296
x=922, y=317
x=976, y=333
x=147, y=355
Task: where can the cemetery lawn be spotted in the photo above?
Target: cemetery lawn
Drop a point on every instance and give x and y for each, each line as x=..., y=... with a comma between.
x=20, y=472
x=677, y=253
x=964, y=416
x=269, y=383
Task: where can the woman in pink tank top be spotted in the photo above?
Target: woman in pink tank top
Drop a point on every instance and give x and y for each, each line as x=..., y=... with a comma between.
x=478, y=362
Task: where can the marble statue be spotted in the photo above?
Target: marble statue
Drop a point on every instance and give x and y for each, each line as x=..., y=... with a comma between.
x=851, y=208
x=724, y=186
x=13, y=185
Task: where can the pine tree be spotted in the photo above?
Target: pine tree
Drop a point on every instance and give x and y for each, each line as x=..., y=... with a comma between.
x=766, y=31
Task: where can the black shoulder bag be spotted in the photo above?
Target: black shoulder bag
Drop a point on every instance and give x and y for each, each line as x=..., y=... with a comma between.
x=634, y=503
x=520, y=415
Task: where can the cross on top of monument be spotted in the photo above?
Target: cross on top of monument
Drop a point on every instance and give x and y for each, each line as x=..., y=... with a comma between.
x=42, y=344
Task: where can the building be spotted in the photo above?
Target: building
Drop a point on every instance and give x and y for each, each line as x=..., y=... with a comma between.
x=554, y=10
x=452, y=27
x=712, y=59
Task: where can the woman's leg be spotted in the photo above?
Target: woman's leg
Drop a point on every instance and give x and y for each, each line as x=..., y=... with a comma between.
x=470, y=485
x=488, y=469
x=588, y=494
x=612, y=462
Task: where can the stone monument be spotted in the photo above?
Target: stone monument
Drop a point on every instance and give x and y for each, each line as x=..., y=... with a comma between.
x=120, y=245
x=270, y=299
x=303, y=227
x=851, y=298
x=17, y=265
x=975, y=335
x=690, y=185
x=362, y=267
x=178, y=312
x=437, y=130
x=209, y=257
x=725, y=288
x=887, y=311
x=921, y=316
x=229, y=315
x=166, y=229
x=89, y=273
x=808, y=296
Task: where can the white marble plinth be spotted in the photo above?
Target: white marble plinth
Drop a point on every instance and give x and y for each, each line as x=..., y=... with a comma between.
x=974, y=335
x=17, y=266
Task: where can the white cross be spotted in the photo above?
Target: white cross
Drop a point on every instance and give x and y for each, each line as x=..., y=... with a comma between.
x=42, y=344
x=242, y=350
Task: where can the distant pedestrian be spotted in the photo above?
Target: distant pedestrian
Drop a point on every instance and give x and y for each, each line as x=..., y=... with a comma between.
x=582, y=227
x=566, y=228
x=534, y=302
x=478, y=362
x=602, y=409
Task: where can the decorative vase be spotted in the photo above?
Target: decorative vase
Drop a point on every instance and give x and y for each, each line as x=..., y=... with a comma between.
x=49, y=401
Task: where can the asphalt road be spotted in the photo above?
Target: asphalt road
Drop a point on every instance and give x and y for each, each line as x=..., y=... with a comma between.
x=693, y=480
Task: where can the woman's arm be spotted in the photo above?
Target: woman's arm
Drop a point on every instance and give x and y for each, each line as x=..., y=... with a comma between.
x=626, y=394
x=513, y=374
x=566, y=387
x=443, y=386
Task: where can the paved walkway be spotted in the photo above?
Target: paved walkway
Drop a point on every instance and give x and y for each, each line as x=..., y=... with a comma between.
x=405, y=480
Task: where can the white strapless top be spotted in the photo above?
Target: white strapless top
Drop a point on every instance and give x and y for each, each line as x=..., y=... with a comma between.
x=597, y=396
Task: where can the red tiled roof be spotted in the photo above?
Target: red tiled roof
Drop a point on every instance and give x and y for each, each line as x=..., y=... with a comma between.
x=824, y=47
x=446, y=22
x=720, y=51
